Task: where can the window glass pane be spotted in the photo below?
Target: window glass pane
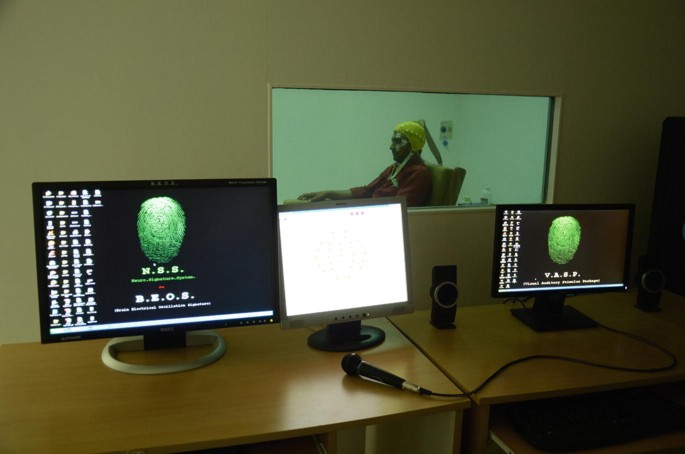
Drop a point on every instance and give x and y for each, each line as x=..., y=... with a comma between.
x=336, y=139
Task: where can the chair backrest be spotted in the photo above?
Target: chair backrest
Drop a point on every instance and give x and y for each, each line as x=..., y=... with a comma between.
x=447, y=183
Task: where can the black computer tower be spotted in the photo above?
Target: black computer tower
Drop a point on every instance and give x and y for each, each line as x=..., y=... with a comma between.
x=667, y=229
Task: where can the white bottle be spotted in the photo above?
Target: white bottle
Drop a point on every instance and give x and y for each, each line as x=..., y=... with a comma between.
x=486, y=197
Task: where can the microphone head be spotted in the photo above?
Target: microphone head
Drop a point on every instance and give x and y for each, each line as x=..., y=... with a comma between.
x=350, y=363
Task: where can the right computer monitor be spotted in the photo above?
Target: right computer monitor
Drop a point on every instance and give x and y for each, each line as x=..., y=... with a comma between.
x=551, y=251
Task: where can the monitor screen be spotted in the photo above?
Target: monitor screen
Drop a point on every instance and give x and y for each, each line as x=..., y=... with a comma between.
x=155, y=258
x=552, y=251
x=342, y=262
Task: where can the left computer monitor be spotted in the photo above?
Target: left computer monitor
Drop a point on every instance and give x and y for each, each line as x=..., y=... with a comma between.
x=158, y=262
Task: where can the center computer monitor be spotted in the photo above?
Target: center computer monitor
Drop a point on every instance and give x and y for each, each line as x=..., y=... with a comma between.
x=163, y=261
x=552, y=251
x=343, y=262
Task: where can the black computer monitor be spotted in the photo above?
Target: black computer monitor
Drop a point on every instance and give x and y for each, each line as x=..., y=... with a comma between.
x=343, y=262
x=552, y=251
x=162, y=261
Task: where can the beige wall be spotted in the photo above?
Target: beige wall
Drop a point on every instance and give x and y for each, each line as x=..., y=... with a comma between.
x=179, y=89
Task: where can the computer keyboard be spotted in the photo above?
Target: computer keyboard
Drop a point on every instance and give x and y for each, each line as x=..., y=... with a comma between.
x=594, y=420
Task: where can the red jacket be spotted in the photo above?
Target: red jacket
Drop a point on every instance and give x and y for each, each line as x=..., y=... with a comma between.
x=414, y=183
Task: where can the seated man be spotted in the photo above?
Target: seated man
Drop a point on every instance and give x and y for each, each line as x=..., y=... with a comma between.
x=408, y=176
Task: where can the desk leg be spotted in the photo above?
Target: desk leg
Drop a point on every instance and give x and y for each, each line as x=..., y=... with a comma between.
x=329, y=441
x=476, y=429
x=458, y=428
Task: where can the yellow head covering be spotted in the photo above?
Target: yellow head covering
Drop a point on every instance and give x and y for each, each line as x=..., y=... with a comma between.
x=414, y=132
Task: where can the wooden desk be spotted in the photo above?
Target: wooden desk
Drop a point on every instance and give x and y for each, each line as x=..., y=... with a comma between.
x=269, y=385
x=488, y=336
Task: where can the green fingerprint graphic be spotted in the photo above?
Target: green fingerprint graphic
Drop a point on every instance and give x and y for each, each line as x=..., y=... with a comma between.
x=161, y=228
x=563, y=239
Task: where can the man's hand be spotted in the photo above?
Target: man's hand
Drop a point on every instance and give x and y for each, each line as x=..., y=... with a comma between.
x=326, y=195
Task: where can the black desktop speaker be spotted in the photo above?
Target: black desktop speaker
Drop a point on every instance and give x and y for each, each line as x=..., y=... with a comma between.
x=650, y=281
x=444, y=295
x=667, y=229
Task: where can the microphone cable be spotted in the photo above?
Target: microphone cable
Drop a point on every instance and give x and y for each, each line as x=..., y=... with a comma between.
x=672, y=364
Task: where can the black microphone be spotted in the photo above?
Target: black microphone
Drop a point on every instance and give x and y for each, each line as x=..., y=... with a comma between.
x=353, y=364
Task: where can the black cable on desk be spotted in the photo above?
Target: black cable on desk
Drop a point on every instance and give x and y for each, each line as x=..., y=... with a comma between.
x=651, y=343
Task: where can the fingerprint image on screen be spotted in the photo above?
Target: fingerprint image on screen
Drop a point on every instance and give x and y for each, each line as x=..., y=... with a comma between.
x=161, y=228
x=563, y=239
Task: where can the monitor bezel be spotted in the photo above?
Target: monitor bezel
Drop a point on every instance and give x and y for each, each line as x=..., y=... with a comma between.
x=170, y=330
x=499, y=210
x=334, y=317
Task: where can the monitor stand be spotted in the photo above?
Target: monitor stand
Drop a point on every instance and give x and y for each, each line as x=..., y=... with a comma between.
x=183, y=339
x=550, y=314
x=346, y=337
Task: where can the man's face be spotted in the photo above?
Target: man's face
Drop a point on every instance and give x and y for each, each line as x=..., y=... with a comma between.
x=400, y=147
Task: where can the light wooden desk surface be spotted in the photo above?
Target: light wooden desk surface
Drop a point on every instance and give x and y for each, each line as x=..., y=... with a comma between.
x=269, y=385
x=488, y=336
